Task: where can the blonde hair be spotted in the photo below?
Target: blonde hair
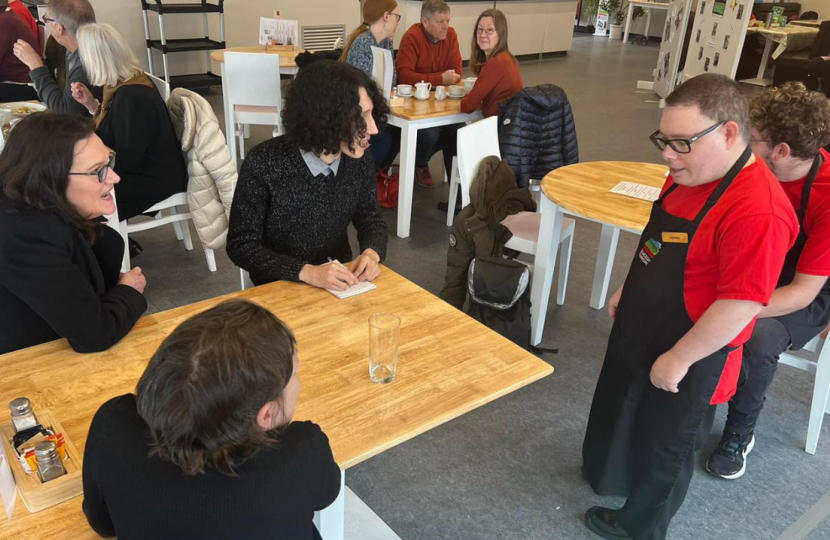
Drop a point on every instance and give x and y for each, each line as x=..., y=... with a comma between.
x=105, y=55
x=478, y=57
x=373, y=11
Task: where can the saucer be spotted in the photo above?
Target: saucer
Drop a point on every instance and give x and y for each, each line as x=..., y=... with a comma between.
x=405, y=95
x=454, y=97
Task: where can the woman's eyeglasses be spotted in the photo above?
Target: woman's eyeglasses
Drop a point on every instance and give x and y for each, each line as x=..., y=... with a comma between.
x=102, y=172
x=681, y=146
x=488, y=31
x=396, y=16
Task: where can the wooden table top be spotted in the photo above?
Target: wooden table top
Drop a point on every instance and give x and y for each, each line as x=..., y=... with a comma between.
x=583, y=189
x=287, y=55
x=416, y=109
x=448, y=364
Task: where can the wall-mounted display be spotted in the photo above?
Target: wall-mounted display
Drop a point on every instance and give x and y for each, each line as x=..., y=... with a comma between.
x=725, y=22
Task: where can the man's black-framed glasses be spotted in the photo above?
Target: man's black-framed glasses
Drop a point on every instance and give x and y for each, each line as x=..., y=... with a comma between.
x=681, y=146
x=102, y=172
x=47, y=19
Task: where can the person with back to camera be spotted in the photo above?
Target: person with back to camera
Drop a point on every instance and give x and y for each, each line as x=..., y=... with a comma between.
x=60, y=267
x=380, y=21
x=206, y=447
x=133, y=120
x=497, y=69
x=15, y=81
x=298, y=193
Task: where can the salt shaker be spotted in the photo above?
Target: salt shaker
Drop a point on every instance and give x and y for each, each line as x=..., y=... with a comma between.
x=49, y=464
x=23, y=417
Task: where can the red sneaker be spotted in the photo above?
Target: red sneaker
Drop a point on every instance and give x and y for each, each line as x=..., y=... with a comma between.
x=423, y=177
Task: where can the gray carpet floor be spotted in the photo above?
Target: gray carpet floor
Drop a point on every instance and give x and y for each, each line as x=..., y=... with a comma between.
x=511, y=469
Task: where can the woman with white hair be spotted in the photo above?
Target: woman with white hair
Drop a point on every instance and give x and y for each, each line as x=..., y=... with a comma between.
x=132, y=120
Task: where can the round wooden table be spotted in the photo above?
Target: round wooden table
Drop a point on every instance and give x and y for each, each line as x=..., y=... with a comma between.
x=583, y=190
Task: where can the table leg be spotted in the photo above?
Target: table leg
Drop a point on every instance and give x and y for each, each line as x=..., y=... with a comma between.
x=229, y=130
x=406, y=186
x=628, y=21
x=648, y=22
x=547, y=248
x=605, y=263
x=760, y=79
x=331, y=521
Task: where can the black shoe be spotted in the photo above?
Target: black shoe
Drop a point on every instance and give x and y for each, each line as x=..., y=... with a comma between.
x=444, y=206
x=135, y=248
x=603, y=521
x=728, y=461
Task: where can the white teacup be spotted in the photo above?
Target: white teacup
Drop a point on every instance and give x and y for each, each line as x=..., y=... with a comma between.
x=440, y=92
x=404, y=89
x=469, y=82
x=456, y=91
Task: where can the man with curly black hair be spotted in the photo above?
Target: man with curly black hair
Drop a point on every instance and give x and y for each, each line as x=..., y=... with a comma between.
x=790, y=125
x=298, y=193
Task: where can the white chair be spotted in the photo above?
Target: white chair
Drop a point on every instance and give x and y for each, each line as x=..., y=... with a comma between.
x=821, y=387
x=476, y=142
x=254, y=94
x=161, y=85
x=245, y=280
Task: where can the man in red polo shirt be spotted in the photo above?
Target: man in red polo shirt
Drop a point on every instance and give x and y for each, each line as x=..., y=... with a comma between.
x=789, y=127
x=429, y=52
x=707, y=263
x=23, y=12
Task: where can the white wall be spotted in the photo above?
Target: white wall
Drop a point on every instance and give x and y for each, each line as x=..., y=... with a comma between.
x=822, y=7
x=241, y=24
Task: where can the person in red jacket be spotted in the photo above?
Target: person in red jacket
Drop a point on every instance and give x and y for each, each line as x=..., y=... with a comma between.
x=707, y=263
x=429, y=52
x=789, y=127
x=18, y=7
x=498, y=71
x=15, y=82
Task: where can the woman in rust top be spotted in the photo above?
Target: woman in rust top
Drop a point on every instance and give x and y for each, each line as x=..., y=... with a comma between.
x=497, y=69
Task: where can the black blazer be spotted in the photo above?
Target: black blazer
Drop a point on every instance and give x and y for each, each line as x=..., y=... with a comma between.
x=148, y=157
x=54, y=284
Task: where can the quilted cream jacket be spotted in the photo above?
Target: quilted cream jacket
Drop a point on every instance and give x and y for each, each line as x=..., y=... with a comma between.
x=211, y=172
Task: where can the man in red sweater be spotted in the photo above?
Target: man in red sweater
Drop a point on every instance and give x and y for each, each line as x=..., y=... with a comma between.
x=429, y=52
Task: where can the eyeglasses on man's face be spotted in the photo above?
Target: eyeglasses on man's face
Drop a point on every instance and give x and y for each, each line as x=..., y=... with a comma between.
x=681, y=146
x=101, y=173
x=47, y=19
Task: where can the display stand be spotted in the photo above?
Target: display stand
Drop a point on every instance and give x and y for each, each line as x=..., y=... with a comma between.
x=717, y=37
x=668, y=60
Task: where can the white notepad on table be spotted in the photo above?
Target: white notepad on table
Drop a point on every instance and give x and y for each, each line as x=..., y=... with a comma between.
x=354, y=290
x=638, y=191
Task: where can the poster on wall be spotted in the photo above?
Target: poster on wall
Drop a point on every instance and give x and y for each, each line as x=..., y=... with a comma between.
x=278, y=32
x=719, y=31
x=668, y=60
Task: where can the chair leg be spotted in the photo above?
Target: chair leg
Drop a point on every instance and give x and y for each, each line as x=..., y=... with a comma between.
x=246, y=129
x=125, y=261
x=211, y=259
x=241, y=134
x=453, y=197
x=564, y=268
x=177, y=226
x=821, y=391
x=188, y=241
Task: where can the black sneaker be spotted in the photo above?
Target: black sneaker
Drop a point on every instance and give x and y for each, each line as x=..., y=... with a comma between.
x=728, y=461
x=603, y=522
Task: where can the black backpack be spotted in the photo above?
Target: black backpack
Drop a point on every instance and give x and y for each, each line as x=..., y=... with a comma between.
x=499, y=295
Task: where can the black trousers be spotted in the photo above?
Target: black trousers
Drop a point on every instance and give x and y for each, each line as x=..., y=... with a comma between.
x=760, y=362
x=17, y=92
x=431, y=140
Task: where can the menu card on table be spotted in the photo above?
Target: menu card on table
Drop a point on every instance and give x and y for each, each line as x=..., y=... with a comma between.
x=637, y=191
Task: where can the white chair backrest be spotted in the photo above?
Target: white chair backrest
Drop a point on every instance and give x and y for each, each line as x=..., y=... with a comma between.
x=161, y=85
x=253, y=79
x=475, y=142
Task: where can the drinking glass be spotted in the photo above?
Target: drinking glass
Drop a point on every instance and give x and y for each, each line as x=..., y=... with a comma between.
x=384, y=329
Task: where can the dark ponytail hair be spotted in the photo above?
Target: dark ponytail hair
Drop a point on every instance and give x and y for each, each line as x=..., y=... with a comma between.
x=35, y=165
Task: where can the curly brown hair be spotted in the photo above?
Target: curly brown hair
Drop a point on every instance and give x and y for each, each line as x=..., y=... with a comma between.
x=794, y=115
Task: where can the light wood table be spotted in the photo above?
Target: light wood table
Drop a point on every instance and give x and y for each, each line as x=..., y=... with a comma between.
x=811, y=24
x=788, y=38
x=288, y=66
x=448, y=364
x=583, y=190
x=412, y=116
x=646, y=5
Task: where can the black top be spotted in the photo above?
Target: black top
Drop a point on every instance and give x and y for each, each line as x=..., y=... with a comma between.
x=133, y=496
x=283, y=218
x=148, y=155
x=54, y=284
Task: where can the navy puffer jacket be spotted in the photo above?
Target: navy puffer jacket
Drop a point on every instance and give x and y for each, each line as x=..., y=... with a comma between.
x=537, y=133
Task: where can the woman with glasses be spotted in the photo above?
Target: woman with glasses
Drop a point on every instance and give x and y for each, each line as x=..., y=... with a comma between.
x=380, y=21
x=132, y=119
x=497, y=69
x=59, y=264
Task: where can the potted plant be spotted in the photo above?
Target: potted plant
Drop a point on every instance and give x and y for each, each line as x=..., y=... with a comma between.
x=618, y=11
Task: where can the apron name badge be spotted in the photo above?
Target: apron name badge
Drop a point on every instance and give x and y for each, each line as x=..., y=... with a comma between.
x=676, y=238
x=650, y=250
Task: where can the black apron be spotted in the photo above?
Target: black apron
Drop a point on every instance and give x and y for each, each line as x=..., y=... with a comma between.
x=804, y=324
x=639, y=437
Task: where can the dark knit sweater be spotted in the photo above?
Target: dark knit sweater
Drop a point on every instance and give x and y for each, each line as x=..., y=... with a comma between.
x=283, y=218
x=134, y=496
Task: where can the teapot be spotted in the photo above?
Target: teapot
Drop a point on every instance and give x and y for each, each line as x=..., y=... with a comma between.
x=422, y=90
